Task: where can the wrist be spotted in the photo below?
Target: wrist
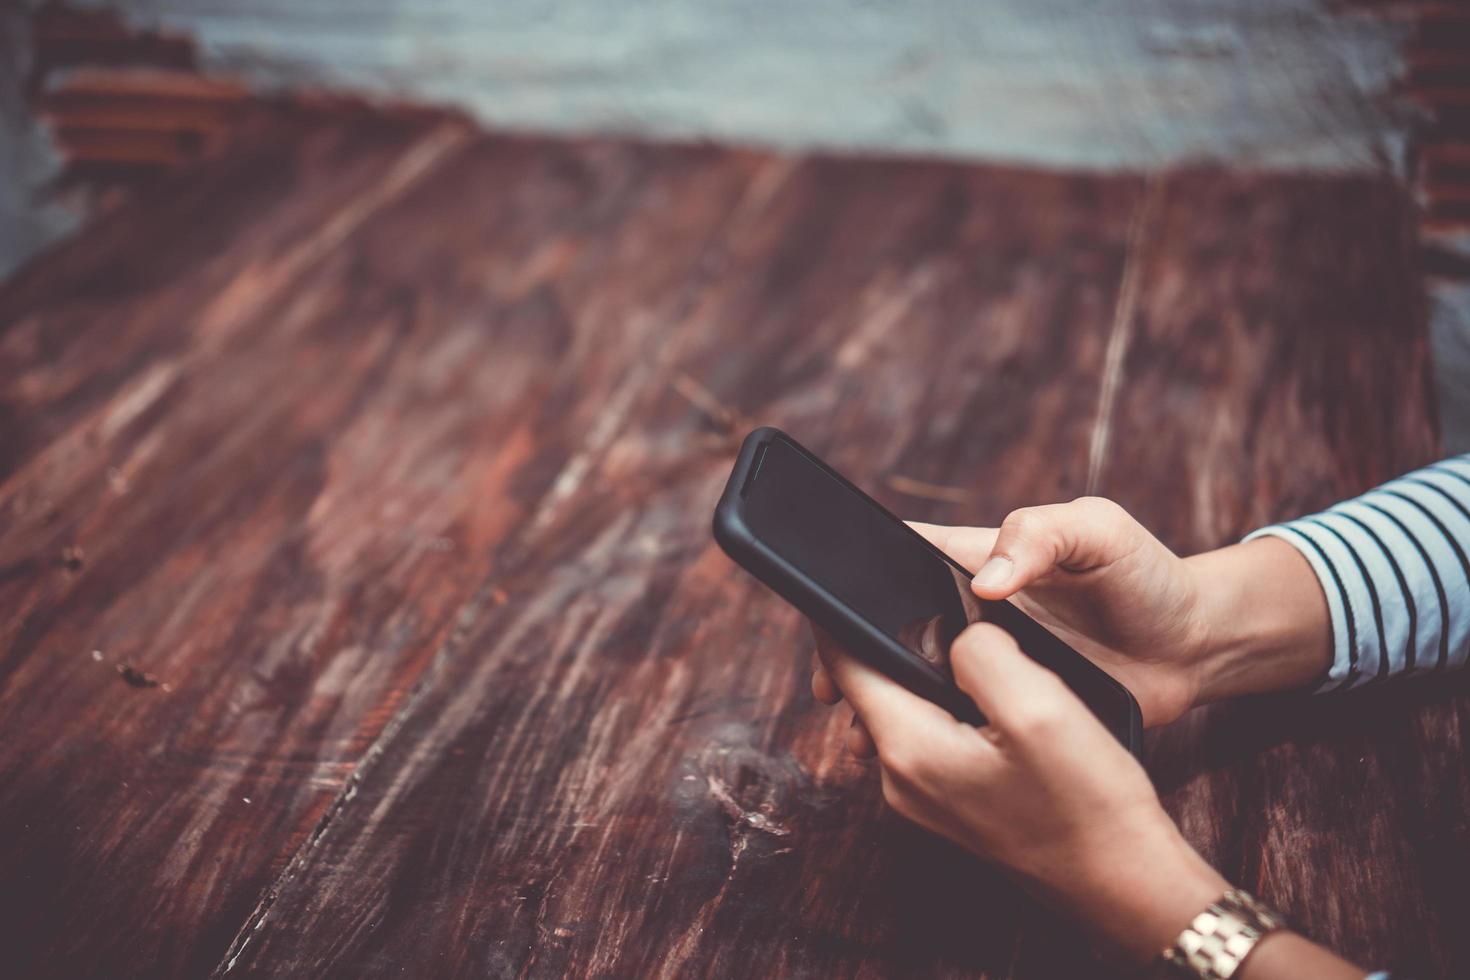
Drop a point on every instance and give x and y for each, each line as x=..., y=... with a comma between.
x=1262, y=620
x=1137, y=899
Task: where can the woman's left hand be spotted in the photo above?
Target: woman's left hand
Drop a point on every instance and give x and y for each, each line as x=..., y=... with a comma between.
x=1043, y=790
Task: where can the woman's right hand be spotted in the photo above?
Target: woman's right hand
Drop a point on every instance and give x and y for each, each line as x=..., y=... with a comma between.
x=1177, y=632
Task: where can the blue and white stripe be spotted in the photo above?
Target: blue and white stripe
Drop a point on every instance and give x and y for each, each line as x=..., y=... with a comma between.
x=1394, y=565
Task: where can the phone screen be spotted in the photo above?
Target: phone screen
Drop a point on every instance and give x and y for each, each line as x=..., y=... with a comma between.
x=859, y=553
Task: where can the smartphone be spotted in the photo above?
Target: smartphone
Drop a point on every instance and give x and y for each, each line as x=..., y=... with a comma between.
x=877, y=586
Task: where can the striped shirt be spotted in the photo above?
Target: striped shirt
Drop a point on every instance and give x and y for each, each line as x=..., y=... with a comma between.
x=1394, y=565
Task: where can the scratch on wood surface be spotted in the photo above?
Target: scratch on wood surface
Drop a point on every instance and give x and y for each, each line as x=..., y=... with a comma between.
x=764, y=184
x=609, y=424
x=250, y=291
x=928, y=491
x=417, y=161
x=720, y=793
x=355, y=776
x=134, y=677
x=1122, y=329
x=887, y=305
x=731, y=423
x=137, y=397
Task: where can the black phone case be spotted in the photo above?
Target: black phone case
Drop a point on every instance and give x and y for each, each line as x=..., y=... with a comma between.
x=1113, y=704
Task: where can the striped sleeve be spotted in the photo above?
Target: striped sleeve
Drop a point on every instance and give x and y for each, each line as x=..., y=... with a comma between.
x=1394, y=565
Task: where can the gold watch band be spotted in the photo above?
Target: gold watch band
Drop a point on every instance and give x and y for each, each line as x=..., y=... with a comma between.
x=1218, y=940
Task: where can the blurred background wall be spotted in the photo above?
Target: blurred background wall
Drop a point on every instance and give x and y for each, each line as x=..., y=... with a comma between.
x=30, y=217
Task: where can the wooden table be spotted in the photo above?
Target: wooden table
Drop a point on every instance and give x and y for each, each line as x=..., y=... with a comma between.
x=361, y=616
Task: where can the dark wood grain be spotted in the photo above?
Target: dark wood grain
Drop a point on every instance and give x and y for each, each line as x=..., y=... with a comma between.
x=629, y=727
x=1269, y=364
x=389, y=451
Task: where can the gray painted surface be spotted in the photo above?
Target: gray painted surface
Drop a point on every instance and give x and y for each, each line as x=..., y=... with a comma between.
x=30, y=218
x=1134, y=83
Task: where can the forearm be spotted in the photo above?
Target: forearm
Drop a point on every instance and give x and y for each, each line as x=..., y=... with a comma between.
x=1370, y=588
x=1135, y=900
x=1138, y=901
x=1265, y=620
x=1284, y=955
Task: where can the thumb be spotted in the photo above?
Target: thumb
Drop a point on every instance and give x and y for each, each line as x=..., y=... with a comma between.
x=1087, y=533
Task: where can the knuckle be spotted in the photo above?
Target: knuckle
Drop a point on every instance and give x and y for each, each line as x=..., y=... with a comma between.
x=894, y=794
x=905, y=761
x=1038, y=720
x=910, y=764
x=1028, y=522
x=1099, y=508
x=899, y=759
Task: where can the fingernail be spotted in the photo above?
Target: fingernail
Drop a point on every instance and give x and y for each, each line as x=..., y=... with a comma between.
x=994, y=573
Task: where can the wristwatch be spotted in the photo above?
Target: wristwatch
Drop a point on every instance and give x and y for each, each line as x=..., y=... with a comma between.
x=1218, y=940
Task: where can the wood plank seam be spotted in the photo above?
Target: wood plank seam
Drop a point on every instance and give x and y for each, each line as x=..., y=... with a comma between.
x=414, y=163
x=247, y=295
x=488, y=593
x=1144, y=218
